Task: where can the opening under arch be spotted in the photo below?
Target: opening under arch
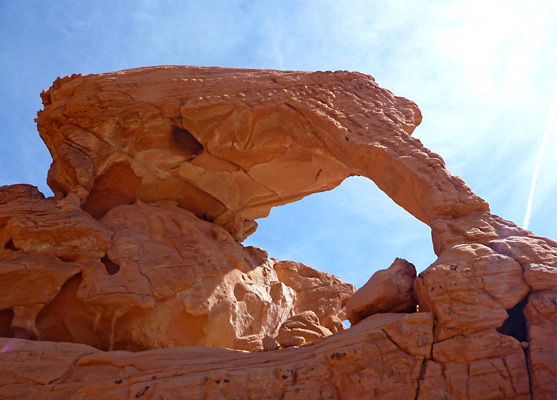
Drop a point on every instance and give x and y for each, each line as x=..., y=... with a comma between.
x=351, y=231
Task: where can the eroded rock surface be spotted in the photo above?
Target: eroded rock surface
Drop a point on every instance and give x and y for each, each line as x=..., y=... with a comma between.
x=541, y=315
x=146, y=276
x=490, y=274
x=159, y=174
x=229, y=144
x=359, y=362
x=388, y=290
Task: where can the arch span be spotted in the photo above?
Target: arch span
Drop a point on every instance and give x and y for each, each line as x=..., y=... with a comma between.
x=268, y=138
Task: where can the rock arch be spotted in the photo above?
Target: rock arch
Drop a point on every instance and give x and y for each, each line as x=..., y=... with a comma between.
x=256, y=139
x=269, y=138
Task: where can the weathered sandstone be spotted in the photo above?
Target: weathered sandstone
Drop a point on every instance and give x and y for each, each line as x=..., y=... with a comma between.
x=362, y=361
x=388, y=290
x=229, y=144
x=159, y=174
x=485, y=365
x=300, y=329
x=146, y=276
x=541, y=315
x=469, y=288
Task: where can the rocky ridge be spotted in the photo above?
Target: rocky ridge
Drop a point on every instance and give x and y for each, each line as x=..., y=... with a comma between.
x=158, y=175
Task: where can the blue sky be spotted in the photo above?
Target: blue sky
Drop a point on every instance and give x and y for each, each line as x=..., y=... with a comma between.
x=482, y=72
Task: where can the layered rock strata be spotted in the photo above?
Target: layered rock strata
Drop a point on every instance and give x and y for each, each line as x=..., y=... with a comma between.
x=361, y=361
x=159, y=174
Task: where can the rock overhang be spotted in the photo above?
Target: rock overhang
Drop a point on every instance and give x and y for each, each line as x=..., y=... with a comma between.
x=229, y=144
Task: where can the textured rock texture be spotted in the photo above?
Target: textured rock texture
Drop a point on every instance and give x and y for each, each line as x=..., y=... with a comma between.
x=388, y=290
x=146, y=276
x=364, y=361
x=229, y=144
x=159, y=174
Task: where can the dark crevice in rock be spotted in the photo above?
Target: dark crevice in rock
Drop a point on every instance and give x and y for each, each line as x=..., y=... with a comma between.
x=530, y=372
x=421, y=378
x=6, y=329
x=51, y=320
x=68, y=257
x=10, y=245
x=6, y=318
x=186, y=141
x=111, y=267
x=21, y=333
x=515, y=324
x=116, y=186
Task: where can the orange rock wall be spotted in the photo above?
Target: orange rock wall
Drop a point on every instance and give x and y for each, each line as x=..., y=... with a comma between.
x=145, y=276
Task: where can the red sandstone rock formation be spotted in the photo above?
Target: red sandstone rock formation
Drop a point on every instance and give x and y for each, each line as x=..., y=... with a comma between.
x=146, y=276
x=388, y=290
x=159, y=173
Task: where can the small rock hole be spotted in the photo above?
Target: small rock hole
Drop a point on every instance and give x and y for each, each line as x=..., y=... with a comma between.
x=68, y=257
x=6, y=318
x=186, y=141
x=240, y=292
x=10, y=245
x=111, y=267
x=515, y=324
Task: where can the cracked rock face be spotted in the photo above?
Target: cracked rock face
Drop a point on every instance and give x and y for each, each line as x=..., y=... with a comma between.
x=159, y=174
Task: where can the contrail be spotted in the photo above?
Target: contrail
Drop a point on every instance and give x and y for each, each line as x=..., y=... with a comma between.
x=549, y=123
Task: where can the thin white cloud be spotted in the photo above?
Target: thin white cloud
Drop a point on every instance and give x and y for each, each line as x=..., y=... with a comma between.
x=549, y=127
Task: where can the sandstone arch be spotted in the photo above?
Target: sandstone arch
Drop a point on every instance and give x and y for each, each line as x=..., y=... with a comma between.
x=268, y=138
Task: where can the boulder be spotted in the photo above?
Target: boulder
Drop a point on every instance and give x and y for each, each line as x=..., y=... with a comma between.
x=300, y=329
x=388, y=290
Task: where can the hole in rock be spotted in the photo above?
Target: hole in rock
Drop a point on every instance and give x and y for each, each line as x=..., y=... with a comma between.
x=6, y=318
x=351, y=231
x=515, y=324
x=10, y=245
x=6, y=329
x=111, y=267
x=116, y=186
x=66, y=319
x=240, y=291
x=68, y=257
x=186, y=141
